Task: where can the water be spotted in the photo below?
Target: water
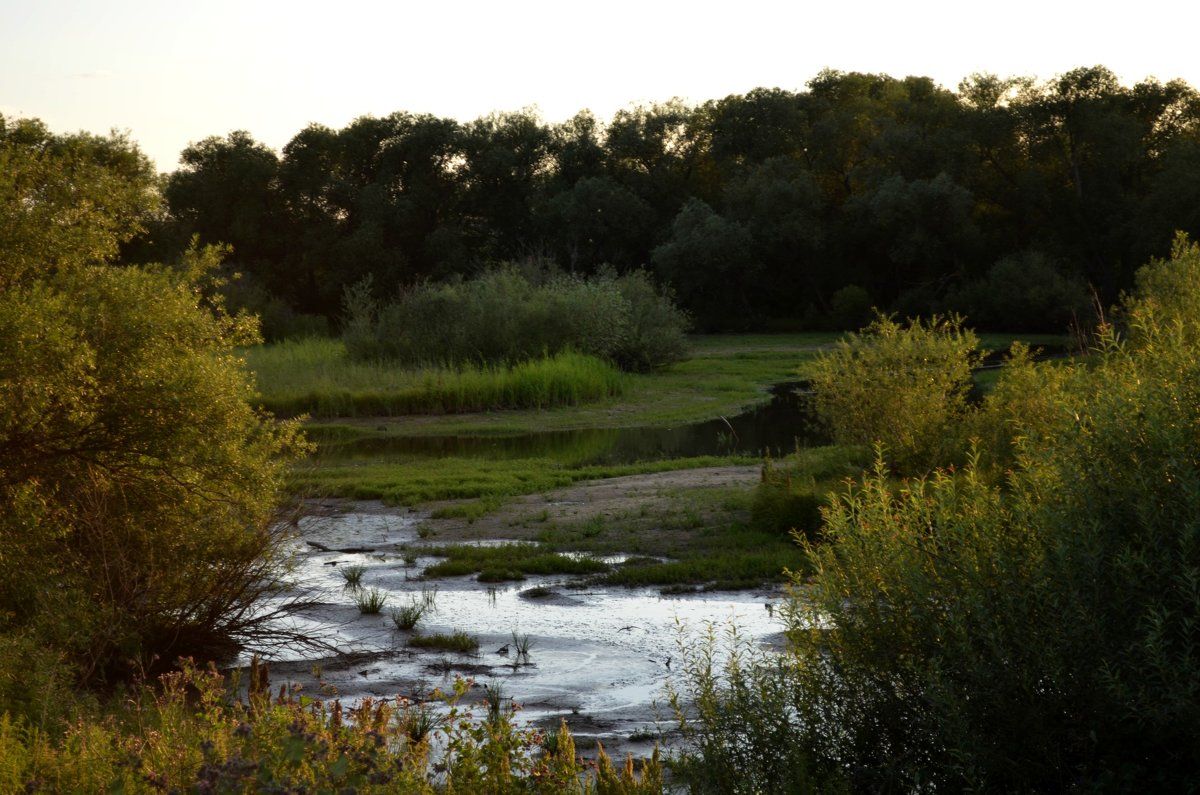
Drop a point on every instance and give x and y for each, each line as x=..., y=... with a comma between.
x=600, y=657
x=776, y=427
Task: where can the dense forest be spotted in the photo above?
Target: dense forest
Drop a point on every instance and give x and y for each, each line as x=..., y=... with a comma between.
x=1013, y=201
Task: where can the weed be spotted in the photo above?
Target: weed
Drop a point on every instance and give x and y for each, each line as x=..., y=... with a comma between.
x=406, y=617
x=493, y=698
x=521, y=645
x=424, y=531
x=353, y=575
x=459, y=641
x=370, y=602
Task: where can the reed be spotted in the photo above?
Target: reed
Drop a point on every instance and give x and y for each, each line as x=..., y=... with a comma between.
x=316, y=377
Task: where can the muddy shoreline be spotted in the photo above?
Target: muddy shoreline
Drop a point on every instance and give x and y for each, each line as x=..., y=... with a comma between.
x=600, y=658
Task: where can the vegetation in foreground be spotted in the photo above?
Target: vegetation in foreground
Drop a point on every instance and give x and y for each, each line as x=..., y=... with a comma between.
x=194, y=733
x=1021, y=621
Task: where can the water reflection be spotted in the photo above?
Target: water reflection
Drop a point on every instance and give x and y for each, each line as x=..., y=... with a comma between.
x=776, y=427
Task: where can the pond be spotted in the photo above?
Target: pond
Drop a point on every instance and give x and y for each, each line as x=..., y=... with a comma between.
x=599, y=658
x=776, y=427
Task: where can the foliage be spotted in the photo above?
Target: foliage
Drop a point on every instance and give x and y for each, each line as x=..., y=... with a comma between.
x=734, y=708
x=503, y=318
x=1027, y=291
x=138, y=485
x=753, y=206
x=194, y=733
x=904, y=387
x=314, y=376
x=1031, y=633
x=67, y=201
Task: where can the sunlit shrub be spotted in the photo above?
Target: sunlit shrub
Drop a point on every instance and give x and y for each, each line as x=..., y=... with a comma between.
x=904, y=387
x=1031, y=633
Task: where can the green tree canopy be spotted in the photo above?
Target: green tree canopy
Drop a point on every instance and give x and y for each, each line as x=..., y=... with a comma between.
x=137, y=483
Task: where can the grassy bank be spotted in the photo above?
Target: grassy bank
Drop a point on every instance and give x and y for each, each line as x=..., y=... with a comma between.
x=316, y=377
x=422, y=480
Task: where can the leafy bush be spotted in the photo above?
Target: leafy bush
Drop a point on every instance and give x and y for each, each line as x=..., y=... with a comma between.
x=502, y=318
x=734, y=707
x=1035, y=633
x=137, y=484
x=904, y=387
x=1028, y=292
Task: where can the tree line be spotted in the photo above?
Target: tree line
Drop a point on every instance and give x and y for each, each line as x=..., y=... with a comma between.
x=1011, y=200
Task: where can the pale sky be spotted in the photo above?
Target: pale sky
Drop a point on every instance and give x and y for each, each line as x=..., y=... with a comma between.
x=171, y=73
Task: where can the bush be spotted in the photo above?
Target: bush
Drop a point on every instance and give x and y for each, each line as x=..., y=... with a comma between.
x=139, y=486
x=503, y=318
x=1025, y=292
x=1031, y=634
x=904, y=387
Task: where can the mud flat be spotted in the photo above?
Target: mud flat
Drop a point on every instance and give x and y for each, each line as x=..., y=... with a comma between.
x=600, y=658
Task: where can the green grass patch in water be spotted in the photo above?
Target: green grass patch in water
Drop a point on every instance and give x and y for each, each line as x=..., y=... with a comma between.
x=508, y=562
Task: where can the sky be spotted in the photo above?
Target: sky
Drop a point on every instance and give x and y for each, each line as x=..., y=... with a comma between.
x=170, y=73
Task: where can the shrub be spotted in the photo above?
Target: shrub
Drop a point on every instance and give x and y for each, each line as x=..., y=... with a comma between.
x=1028, y=292
x=904, y=387
x=191, y=733
x=138, y=482
x=503, y=318
x=1031, y=634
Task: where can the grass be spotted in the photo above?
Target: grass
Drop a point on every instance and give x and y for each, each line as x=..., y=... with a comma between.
x=507, y=562
x=370, y=602
x=458, y=641
x=407, y=616
x=315, y=376
x=353, y=575
x=413, y=480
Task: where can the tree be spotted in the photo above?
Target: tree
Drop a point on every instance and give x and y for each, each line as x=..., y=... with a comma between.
x=67, y=200
x=708, y=263
x=137, y=483
x=598, y=221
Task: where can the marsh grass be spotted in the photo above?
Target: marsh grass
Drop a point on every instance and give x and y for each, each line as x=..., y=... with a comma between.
x=407, y=616
x=508, y=562
x=411, y=481
x=371, y=601
x=458, y=641
x=352, y=574
x=315, y=377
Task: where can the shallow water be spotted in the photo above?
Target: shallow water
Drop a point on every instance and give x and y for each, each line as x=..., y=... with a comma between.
x=599, y=657
x=775, y=427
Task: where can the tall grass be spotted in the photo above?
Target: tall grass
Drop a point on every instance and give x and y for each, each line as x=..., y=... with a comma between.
x=315, y=376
